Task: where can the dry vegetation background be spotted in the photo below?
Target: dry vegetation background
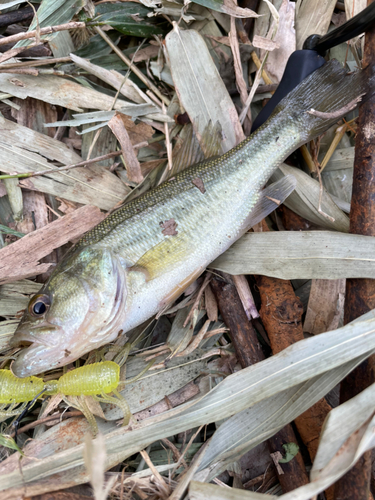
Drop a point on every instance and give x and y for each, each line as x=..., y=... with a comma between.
x=129, y=89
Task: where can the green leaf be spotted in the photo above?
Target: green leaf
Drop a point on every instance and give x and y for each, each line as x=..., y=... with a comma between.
x=128, y=19
x=9, y=442
x=291, y=450
x=8, y=230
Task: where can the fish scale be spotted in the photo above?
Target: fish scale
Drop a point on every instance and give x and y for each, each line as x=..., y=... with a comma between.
x=126, y=269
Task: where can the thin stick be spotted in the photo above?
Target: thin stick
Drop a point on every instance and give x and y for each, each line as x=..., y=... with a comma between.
x=135, y=70
x=339, y=112
x=50, y=418
x=43, y=62
x=42, y=31
x=60, y=169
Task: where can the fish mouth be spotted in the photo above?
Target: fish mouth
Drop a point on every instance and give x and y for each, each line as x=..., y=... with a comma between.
x=37, y=358
x=38, y=351
x=25, y=337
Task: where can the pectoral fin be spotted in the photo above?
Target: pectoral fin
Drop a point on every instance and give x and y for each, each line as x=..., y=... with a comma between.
x=161, y=258
x=270, y=198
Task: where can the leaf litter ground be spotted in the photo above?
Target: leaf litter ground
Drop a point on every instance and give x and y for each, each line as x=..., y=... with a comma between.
x=138, y=85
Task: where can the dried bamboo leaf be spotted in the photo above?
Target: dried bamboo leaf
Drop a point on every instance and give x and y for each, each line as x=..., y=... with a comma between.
x=20, y=259
x=27, y=150
x=301, y=255
x=200, y=87
x=58, y=91
x=302, y=361
x=325, y=308
x=354, y=7
x=285, y=39
x=247, y=429
x=312, y=18
x=15, y=296
x=126, y=86
x=305, y=200
x=227, y=7
x=348, y=432
x=14, y=197
x=62, y=44
x=337, y=176
x=133, y=110
x=52, y=13
x=202, y=491
x=7, y=329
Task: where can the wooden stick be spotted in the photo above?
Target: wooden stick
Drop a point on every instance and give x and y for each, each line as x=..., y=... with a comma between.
x=249, y=352
x=43, y=31
x=360, y=293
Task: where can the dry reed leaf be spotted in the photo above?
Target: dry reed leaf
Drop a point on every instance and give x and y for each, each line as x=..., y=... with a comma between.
x=21, y=259
x=300, y=255
x=125, y=86
x=133, y=168
x=58, y=91
x=28, y=151
x=285, y=39
x=15, y=296
x=260, y=42
x=304, y=200
x=312, y=17
x=95, y=462
x=325, y=308
x=200, y=88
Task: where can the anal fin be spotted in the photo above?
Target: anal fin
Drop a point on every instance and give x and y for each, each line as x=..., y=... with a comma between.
x=270, y=198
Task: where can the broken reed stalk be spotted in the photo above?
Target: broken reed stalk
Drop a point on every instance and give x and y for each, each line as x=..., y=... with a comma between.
x=82, y=163
x=249, y=352
x=42, y=31
x=360, y=293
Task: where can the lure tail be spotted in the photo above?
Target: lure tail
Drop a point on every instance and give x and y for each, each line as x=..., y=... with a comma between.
x=324, y=97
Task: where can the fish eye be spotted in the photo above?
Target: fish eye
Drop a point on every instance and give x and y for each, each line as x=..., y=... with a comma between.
x=39, y=305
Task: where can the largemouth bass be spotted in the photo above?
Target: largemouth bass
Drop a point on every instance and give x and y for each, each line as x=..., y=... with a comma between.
x=144, y=255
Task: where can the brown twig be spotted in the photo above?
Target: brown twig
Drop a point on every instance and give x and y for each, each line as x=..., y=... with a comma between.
x=249, y=352
x=61, y=169
x=43, y=31
x=360, y=293
x=339, y=112
x=44, y=62
x=45, y=420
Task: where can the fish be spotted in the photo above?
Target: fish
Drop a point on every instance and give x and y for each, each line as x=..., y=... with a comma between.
x=144, y=255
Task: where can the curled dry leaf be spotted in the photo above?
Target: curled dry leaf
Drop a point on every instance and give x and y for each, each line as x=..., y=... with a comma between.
x=133, y=168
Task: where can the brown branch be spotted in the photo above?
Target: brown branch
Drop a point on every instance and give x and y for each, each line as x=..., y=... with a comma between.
x=50, y=418
x=249, y=352
x=44, y=62
x=339, y=112
x=43, y=31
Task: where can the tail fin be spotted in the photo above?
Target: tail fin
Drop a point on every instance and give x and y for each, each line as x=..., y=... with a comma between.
x=325, y=96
